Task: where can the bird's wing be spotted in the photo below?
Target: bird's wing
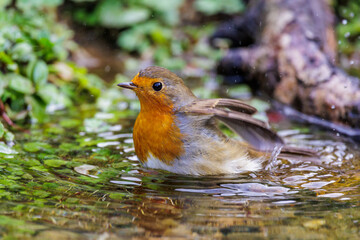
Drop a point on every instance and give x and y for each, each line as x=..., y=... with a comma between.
x=223, y=103
x=237, y=115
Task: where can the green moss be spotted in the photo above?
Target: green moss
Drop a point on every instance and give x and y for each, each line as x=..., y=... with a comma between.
x=55, y=163
x=117, y=196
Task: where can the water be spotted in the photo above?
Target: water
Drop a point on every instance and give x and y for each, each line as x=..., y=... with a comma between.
x=78, y=177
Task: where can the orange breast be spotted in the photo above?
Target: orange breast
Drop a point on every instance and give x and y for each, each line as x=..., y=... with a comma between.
x=156, y=133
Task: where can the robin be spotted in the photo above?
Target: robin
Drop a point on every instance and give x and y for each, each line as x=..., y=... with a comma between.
x=177, y=132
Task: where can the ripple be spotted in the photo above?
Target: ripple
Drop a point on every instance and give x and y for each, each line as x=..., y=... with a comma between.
x=105, y=144
x=308, y=168
x=125, y=183
x=244, y=189
x=316, y=185
x=118, y=136
x=331, y=195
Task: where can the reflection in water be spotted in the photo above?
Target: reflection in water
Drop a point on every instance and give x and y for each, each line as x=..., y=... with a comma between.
x=244, y=189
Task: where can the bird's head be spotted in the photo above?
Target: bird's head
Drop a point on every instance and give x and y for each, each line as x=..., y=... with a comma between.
x=159, y=88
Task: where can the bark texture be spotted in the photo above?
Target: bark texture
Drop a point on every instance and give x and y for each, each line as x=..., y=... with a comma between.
x=292, y=58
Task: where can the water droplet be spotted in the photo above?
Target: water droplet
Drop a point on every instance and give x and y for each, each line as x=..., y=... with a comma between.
x=339, y=42
x=351, y=62
x=332, y=106
x=352, y=14
x=347, y=34
x=344, y=21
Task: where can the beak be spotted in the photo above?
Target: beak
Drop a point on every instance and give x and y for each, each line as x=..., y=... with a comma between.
x=128, y=85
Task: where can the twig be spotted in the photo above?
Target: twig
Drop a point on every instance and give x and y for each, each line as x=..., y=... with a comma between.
x=7, y=120
x=4, y=115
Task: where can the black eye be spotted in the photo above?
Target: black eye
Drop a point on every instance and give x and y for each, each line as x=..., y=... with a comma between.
x=157, y=86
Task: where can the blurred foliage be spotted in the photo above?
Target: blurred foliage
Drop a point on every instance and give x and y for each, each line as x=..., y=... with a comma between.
x=348, y=29
x=212, y=7
x=35, y=76
x=157, y=27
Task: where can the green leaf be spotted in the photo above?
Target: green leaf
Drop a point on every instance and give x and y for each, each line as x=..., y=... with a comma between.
x=22, y=52
x=165, y=10
x=50, y=186
x=173, y=63
x=211, y=7
x=92, y=83
x=3, y=84
x=133, y=40
x=35, y=146
x=8, y=221
x=259, y=104
x=9, y=137
x=72, y=200
x=38, y=109
x=30, y=68
x=27, y=176
x=93, y=125
x=162, y=5
x=121, y=165
x=53, y=97
x=161, y=36
x=6, y=149
x=6, y=58
x=117, y=196
x=130, y=39
x=19, y=83
x=70, y=123
x=40, y=73
x=112, y=14
x=39, y=168
x=55, y=162
x=82, y=16
x=41, y=193
x=2, y=130
x=26, y=4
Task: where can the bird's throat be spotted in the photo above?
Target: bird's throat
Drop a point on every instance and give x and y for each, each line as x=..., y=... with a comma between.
x=157, y=134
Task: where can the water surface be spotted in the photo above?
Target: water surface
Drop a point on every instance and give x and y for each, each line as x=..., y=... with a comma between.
x=78, y=177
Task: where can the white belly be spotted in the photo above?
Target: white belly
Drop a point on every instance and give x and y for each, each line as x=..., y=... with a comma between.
x=201, y=166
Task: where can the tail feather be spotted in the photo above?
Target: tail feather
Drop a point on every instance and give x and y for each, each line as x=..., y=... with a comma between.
x=297, y=153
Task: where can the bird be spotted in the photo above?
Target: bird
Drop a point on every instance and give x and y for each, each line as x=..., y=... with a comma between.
x=178, y=132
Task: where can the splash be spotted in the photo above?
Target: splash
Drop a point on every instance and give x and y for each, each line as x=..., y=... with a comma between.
x=273, y=158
